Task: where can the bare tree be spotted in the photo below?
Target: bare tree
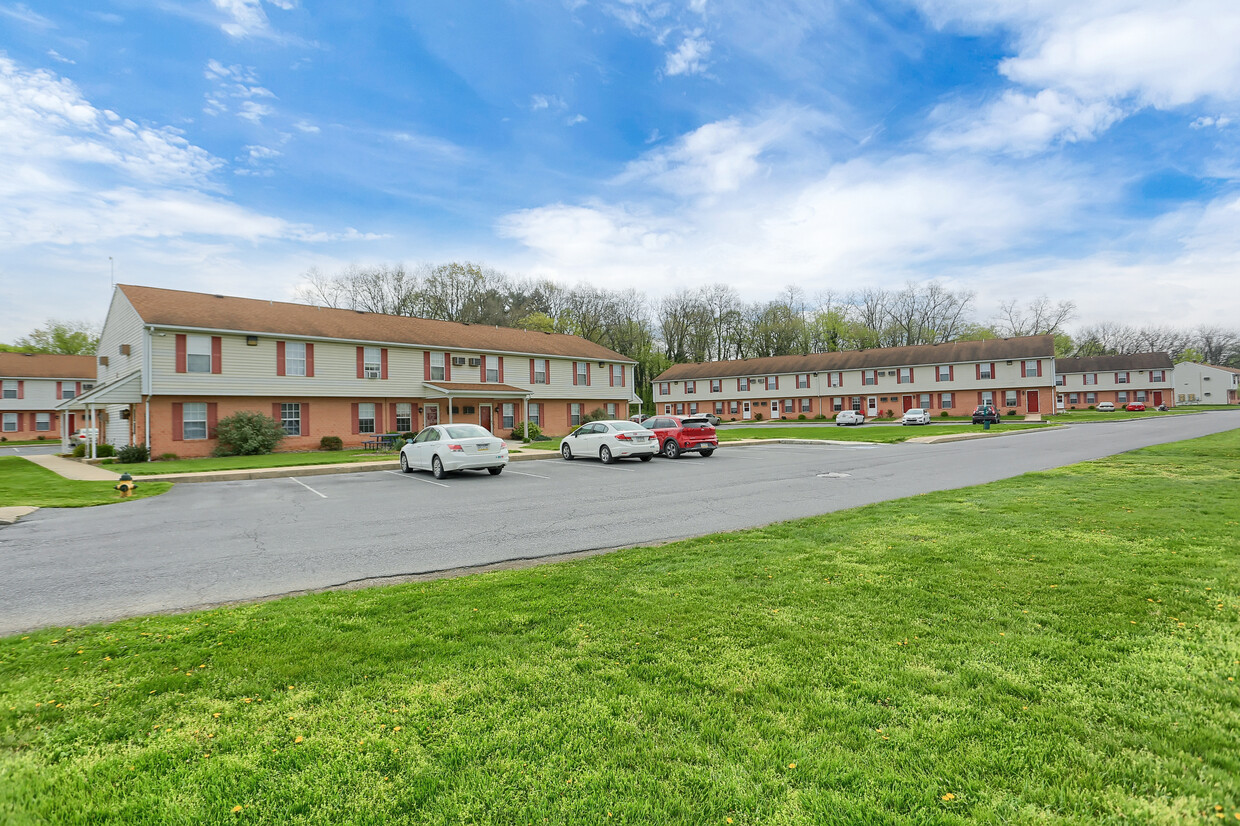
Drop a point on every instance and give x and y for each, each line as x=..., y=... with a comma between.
x=1037, y=318
x=724, y=305
x=1219, y=346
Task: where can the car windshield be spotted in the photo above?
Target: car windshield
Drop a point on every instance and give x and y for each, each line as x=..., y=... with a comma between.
x=466, y=431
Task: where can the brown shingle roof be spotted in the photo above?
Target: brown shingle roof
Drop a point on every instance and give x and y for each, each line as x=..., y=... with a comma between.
x=176, y=308
x=952, y=353
x=45, y=366
x=1131, y=361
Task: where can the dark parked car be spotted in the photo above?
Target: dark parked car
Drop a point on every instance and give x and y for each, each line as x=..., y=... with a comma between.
x=986, y=413
x=681, y=434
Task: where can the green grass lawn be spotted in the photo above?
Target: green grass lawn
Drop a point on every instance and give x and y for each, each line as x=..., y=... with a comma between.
x=1085, y=415
x=313, y=457
x=24, y=483
x=1061, y=647
x=24, y=442
x=864, y=433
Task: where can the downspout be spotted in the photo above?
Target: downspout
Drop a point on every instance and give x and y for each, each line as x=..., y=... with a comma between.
x=146, y=391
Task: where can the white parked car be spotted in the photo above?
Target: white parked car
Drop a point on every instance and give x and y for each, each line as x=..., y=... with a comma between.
x=610, y=440
x=848, y=417
x=443, y=448
x=916, y=415
x=1106, y=407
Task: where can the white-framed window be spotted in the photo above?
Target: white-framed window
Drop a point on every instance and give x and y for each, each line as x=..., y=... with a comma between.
x=986, y=371
x=905, y=375
x=869, y=377
x=1033, y=367
x=732, y=407
x=680, y=408
x=194, y=420
x=574, y=414
x=1122, y=397
x=372, y=363
x=945, y=372
x=924, y=401
x=437, y=368
x=716, y=385
x=742, y=384
x=536, y=413
x=856, y=403
x=1158, y=375
x=1060, y=381
x=507, y=416
x=1091, y=398
x=1121, y=378
x=290, y=418
x=665, y=388
x=583, y=374
x=42, y=421
x=492, y=364
x=404, y=417
x=294, y=358
x=1089, y=378
x=10, y=423
x=611, y=410
x=693, y=408
x=690, y=388
x=541, y=368
x=988, y=397
x=1140, y=395
x=68, y=389
x=835, y=379
x=945, y=401
x=197, y=355
x=617, y=375
x=366, y=417
x=802, y=381
x=772, y=382
x=1074, y=398
x=837, y=403
x=805, y=405
x=10, y=389
x=1009, y=398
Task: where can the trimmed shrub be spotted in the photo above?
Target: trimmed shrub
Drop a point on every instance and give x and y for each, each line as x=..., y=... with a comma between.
x=169, y=457
x=518, y=433
x=331, y=443
x=247, y=433
x=79, y=451
x=944, y=415
x=104, y=449
x=132, y=454
x=802, y=417
x=757, y=417
x=407, y=436
x=1010, y=413
x=40, y=437
x=594, y=415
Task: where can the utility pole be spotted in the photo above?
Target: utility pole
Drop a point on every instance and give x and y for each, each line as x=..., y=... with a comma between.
x=112, y=267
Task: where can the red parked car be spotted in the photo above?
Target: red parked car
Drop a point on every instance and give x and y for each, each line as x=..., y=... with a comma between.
x=1133, y=407
x=680, y=434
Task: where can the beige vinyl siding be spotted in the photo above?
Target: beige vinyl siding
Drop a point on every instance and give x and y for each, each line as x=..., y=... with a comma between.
x=37, y=394
x=123, y=326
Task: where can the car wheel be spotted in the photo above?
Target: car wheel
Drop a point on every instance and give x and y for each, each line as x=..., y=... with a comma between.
x=706, y=452
x=404, y=463
x=670, y=449
x=647, y=457
x=437, y=468
x=566, y=452
x=495, y=471
x=604, y=453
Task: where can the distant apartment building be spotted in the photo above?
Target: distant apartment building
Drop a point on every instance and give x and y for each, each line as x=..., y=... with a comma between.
x=1081, y=383
x=38, y=394
x=1206, y=384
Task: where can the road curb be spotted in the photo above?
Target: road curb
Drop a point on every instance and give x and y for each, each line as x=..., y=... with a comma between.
x=10, y=515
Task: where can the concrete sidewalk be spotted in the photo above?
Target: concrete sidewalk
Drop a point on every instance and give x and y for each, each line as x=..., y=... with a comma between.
x=74, y=470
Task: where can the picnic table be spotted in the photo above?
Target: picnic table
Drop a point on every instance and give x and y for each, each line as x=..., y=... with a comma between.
x=383, y=441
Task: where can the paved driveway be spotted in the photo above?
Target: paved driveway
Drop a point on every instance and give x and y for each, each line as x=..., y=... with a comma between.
x=203, y=544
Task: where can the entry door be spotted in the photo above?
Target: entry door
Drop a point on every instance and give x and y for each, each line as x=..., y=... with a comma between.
x=432, y=414
x=871, y=406
x=1157, y=398
x=907, y=401
x=1032, y=403
x=484, y=416
x=774, y=408
x=745, y=409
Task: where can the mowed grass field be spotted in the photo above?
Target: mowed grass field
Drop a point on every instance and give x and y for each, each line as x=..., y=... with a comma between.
x=1062, y=647
x=28, y=484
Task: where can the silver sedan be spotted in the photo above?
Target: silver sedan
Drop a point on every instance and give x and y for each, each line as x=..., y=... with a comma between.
x=610, y=440
x=444, y=448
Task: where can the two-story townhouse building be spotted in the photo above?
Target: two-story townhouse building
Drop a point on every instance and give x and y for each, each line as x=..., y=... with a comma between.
x=33, y=386
x=173, y=363
x=1011, y=373
x=1081, y=383
x=1206, y=384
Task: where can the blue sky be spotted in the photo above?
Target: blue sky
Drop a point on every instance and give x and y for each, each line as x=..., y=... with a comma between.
x=1015, y=148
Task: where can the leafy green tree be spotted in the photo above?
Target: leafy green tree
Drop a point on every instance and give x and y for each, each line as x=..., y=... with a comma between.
x=68, y=338
x=1190, y=354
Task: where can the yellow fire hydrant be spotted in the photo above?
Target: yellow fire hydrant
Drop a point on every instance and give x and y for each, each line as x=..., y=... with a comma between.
x=126, y=485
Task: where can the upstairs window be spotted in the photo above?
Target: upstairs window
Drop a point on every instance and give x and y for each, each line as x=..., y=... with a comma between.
x=198, y=358
x=582, y=371
x=294, y=358
x=835, y=379
x=372, y=365
x=492, y=367
x=10, y=389
x=1158, y=375
x=742, y=384
x=617, y=375
x=1121, y=378
x=690, y=387
x=905, y=375
x=1089, y=378
x=986, y=371
x=802, y=381
x=68, y=389
x=945, y=372
x=541, y=368
x=437, y=368
x=772, y=382
x=869, y=377
x=665, y=388
x=1032, y=367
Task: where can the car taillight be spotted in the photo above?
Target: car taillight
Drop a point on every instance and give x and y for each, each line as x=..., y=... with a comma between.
x=456, y=448
x=624, y=437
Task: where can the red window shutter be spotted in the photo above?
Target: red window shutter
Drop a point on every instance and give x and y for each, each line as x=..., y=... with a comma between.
x=309, y=364
x=380, y=424
x=777, y=382
x=993, y=374
x=574, y=374
x=213, y=418
x=279, y=358
x=501, y=368
x=361, y=362
x=1038, y=366
x=531, y=371
x=911, y=372
x=979, y=397
x=587, y=374
x=79, y=388
x=447, y=367
x=383, y=363
x=178, y=420
x=356, y=430
x=275, y=411
x=611, y=375
x=392, y=412
x=622, y=378
x=951, y=372
x=979, y=370
x=59, y=393
x=21, y=389
x=426, y=365
x=305, y=417
x=1022, y=370
x=180, y=353
x=482, y=369
x=217, y=350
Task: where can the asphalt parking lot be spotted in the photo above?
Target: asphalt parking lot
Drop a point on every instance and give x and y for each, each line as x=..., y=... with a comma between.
x=211, y=543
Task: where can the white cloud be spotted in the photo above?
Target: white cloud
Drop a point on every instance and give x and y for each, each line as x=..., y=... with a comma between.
x=23, y=14
x=540, y=102
x=1204, y=121
x=236, y=83
x=307, y=127
x=246, y=17
x=690, y=57
x=1023, y=124
x=59, y=58
x=576, y=119
x=253, y=111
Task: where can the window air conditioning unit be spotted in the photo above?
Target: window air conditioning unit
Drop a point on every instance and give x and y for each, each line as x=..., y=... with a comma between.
x=475, y=362
x=458, y=361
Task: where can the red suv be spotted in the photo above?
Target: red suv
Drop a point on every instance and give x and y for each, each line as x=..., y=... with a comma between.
x=679, y=434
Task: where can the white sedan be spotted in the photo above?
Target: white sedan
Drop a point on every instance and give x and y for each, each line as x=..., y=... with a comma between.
x=849, y=417
x=443, y=448
x=610, y=440
x=916, y=415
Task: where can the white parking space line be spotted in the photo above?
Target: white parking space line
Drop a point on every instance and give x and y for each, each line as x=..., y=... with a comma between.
x=581, y=464
x=307, y=487
x=415, y=478
x=535, y=475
